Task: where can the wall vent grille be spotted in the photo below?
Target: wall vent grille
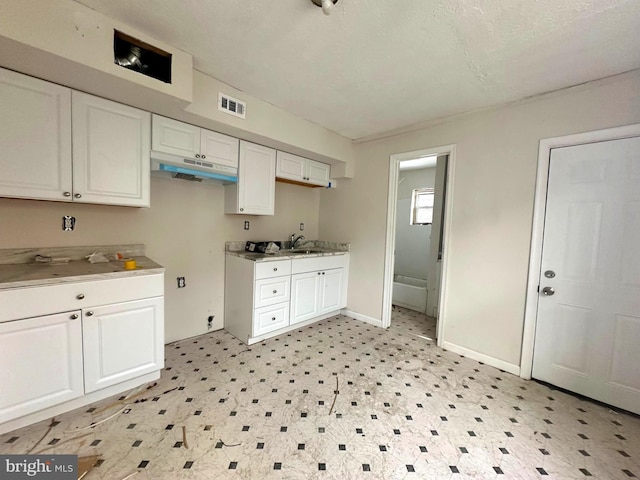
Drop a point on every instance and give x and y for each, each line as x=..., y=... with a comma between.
x=231, y=105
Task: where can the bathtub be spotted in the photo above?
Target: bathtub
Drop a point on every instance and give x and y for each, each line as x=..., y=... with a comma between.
x=409, y=292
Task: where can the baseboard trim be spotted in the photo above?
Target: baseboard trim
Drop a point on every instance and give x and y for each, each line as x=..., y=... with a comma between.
x=481, y=357
x=363, y=318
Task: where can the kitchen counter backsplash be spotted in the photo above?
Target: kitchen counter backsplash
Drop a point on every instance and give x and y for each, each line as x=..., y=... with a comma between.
x=335, y=246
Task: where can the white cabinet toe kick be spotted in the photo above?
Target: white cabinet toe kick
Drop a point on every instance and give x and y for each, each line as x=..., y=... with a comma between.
x=266, y=298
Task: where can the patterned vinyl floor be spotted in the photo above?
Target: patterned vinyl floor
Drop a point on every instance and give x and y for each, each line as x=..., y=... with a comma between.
x=340, y=400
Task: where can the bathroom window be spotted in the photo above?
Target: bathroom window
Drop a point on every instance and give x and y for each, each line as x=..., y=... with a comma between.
x=422, y=206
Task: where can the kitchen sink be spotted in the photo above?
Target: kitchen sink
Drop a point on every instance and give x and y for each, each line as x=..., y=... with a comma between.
x=301, y=251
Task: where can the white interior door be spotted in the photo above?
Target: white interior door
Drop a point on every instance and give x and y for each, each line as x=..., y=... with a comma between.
x=588, y=324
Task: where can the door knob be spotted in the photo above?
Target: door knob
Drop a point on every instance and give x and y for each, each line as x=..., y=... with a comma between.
x=548, y=291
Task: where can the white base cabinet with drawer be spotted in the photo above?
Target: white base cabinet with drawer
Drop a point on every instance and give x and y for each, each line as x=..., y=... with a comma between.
x=97, y=346
x=265, y=299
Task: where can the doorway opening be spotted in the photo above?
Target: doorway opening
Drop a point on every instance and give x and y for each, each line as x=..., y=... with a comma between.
x=420, y=188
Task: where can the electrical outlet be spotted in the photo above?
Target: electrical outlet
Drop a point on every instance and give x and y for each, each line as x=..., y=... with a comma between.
x=181, y=282
x=68, y=223
x=301, y=226
x=246, y=224
x=210, y=322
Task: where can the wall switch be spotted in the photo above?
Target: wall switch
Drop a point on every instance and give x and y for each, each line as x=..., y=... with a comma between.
x=246, y=224
x=301, y=226
x=181, y=282
x=68, y=223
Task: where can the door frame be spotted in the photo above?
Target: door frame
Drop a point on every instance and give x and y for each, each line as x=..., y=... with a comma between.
x=537, y=230
x=392, y=200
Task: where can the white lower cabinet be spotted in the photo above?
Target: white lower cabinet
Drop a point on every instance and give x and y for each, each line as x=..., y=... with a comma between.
x=41, y=363
x=266, y=298
x=108, y=338
x=122, y=341
x=316, y=293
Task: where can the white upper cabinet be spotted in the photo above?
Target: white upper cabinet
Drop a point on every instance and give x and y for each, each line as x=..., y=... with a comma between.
x=302, y=170
x=56, y=144
x=254, y=194
x=111, y=151
x=177, y=138
x=188, y=141
x=218, y=148
x=35, y=138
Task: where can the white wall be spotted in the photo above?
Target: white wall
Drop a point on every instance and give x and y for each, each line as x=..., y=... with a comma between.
x=67, y=43
x=413, y=242
x=184, y=230
x=492, y=205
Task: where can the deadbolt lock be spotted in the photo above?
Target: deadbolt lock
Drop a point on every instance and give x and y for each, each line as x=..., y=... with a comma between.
x=550, y=274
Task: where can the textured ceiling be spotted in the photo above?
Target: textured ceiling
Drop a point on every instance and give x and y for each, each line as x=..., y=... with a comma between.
x=373, y=66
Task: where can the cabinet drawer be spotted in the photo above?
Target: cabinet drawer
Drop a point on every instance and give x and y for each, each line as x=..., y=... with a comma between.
x=270, y=291
x=313, y=264
x=273, y=269
x=34, y=301
x=268, y=319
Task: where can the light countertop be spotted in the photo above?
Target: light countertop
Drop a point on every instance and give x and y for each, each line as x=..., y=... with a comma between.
x=285, y=254
x=36, y=274
x=18, y=267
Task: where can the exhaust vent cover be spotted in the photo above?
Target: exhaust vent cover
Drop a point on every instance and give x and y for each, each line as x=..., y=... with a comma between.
x=231, y=105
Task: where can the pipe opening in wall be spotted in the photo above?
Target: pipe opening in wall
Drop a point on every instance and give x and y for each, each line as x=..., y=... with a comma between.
x=136, y=55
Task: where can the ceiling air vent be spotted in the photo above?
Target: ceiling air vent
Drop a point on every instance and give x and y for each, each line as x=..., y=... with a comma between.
x=231, y=105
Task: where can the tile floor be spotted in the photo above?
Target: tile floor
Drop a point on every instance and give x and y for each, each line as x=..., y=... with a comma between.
x=404, y=409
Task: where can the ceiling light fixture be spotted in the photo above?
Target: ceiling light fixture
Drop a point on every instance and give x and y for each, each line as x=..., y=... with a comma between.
x=326, y=5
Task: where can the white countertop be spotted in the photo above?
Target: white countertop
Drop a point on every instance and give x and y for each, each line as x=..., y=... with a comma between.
x=18, y=268
x=285, y=254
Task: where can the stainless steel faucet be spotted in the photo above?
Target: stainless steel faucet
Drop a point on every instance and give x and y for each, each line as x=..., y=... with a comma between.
x=295, y=240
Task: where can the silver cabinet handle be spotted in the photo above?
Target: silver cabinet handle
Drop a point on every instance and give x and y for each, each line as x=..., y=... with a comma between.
x=67, y=194
x=197, y=155
x=74, y=316
x=89, y=313
x=203, y=156
x=77, y=195
x=275, y=291
x=80, y=296
x=275, y=269
x=242, y=209
x=273, y=319
x=548, y=291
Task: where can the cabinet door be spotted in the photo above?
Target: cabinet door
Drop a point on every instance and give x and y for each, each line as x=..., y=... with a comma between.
x=318, y=173
x=256, y=179
x=111, y=151
x=304, y=296
x=330, y=290
x=122, y=341
x=35, y=138
x=290, y=166
x=177, y=138
x=218, y=148
x=41, y=363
